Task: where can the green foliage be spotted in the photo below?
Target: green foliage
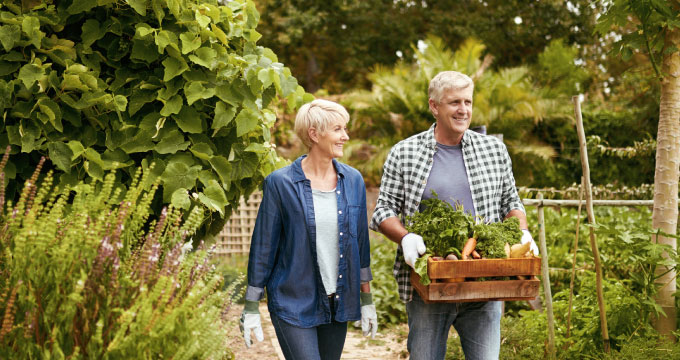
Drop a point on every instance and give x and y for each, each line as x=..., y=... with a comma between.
x=442, y=226
x=506, y=101
x=492, y=238
x=390, y=308
x=106, y=85
x=89, y=273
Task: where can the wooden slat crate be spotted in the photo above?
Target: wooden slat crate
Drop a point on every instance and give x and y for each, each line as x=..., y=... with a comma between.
x=235, y=236
x=455, y=280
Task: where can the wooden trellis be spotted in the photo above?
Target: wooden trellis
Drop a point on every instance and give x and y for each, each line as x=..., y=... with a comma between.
x=235, y=236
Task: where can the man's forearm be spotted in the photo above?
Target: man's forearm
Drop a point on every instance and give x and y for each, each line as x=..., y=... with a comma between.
x=393, y=229
x=519, y=214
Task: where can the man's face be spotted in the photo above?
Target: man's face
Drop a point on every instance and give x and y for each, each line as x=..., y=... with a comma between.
x=453, y=113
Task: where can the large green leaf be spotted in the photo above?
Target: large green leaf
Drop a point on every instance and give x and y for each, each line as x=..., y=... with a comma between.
x=138, y=5
x=189, y=120
x=172, y=143
x=172, y=106
x=222, y=167
x=52, y=112
x=31, y=27
x=178, y=175
x=204, y=56
x=30, y=73
x=214, y=198
x=190, y=42
x=9, y=35
x=166, y=38
x=61, y=155
x=78, y=6
x=180, y=199
x=223, y=115
x=173, y=67
x=195, y=91
x=91, y=32
x=246, y=121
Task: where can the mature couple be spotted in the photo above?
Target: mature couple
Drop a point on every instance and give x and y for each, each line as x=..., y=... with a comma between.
x=310, y=247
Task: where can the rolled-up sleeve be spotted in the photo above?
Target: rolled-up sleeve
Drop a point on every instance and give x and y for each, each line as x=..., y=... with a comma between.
x=509, y=198
x=264, y=242
x=391, y=198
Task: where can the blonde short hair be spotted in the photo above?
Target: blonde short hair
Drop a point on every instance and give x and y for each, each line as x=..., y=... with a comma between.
x=318, y=114
x=447, y=80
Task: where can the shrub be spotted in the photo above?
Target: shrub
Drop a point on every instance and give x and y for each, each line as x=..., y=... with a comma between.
x=390, y=308
x=104, y=85
x=88, y=272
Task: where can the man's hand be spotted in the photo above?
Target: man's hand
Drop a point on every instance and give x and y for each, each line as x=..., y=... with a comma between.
x=413, y=246
x=526, y=237
x=250, y=320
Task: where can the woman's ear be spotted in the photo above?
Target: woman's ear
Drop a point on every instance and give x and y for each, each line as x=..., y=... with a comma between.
x=313, y=135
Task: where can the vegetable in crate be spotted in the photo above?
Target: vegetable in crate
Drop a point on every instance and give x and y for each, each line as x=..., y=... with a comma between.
x=445, y=230
x=491, y=238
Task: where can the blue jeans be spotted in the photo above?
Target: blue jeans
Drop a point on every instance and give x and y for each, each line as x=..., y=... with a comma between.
x=478, y=325
x=323, y=342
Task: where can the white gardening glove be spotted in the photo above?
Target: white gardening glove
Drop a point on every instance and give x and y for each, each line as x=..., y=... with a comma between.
x=413, y=246
x=250, y=320
x=369, y=318
x=526, y=237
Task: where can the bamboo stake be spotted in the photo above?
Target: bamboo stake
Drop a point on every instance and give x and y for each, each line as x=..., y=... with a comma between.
x=573, y=262
x=545, y=274
x=591, y=220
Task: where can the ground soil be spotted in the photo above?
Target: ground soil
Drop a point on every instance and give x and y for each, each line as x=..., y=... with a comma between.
x=388, y=344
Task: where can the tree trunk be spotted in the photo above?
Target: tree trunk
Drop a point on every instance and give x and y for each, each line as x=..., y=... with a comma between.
x=665, y=214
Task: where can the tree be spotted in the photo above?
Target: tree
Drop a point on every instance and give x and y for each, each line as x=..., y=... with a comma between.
x=396, y=107
x=657, y=33
x=105, y=85
x=335, y=44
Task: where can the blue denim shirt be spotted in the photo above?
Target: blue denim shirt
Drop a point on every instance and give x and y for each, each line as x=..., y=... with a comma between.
x=283, y=248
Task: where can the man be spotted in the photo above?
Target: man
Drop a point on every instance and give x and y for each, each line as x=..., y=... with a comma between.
x=460, y=166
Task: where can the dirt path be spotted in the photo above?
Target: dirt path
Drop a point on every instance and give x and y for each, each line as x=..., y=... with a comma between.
x=388, y=344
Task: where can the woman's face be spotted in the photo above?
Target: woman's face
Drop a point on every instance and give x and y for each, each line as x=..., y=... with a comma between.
x=333, y=139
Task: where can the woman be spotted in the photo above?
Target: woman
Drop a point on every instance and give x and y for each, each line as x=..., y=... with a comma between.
x=310, y=246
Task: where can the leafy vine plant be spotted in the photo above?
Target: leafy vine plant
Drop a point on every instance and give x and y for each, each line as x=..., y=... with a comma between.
x=117, y=85
x=87, y=271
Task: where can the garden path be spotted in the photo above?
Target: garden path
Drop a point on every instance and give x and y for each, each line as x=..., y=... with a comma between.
x=388, y=344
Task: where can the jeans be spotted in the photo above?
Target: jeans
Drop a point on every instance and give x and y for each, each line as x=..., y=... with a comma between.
x=323, y=342
x=478, y=325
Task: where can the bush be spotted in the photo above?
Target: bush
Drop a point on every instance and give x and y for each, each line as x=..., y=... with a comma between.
x=390, y=308
x=87, y=272
x=103, y=85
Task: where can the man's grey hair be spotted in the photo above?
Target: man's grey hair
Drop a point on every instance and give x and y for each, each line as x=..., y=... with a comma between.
x=448, y=80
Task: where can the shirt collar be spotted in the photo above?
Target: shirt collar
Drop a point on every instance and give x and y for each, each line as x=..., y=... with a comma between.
x=299, y=175
x=430, y=142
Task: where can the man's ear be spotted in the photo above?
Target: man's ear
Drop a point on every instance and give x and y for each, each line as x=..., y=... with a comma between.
x=433, y=107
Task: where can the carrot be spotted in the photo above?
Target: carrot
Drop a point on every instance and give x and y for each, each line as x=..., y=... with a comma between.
x=475, y=255
x=468, y=248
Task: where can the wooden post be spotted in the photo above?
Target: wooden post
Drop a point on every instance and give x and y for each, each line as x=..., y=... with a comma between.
x=573, y=262
x=545, y=274
x=591, y=220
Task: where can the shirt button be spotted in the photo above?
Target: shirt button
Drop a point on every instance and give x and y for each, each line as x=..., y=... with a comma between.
x=339, y=211
x=338, y=192
x=337, y=296
x=341, y=276
x=340, y=234
x=340, y=255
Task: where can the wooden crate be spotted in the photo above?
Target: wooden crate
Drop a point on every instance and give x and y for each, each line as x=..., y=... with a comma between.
x=455, y=280
x=235, y=236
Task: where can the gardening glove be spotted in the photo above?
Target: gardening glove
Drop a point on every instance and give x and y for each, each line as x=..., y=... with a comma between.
x=413, y=246
x=250, y=320
x=526, y=237
x=369, y=318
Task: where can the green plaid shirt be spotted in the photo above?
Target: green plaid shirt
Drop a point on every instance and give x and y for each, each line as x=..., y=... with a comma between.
x=405, y=175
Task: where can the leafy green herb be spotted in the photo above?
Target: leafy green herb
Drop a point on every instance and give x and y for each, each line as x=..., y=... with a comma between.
x=491, y=238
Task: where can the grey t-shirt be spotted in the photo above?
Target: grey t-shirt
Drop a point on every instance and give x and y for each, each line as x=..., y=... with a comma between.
x=326, y=217
x=448, y=178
